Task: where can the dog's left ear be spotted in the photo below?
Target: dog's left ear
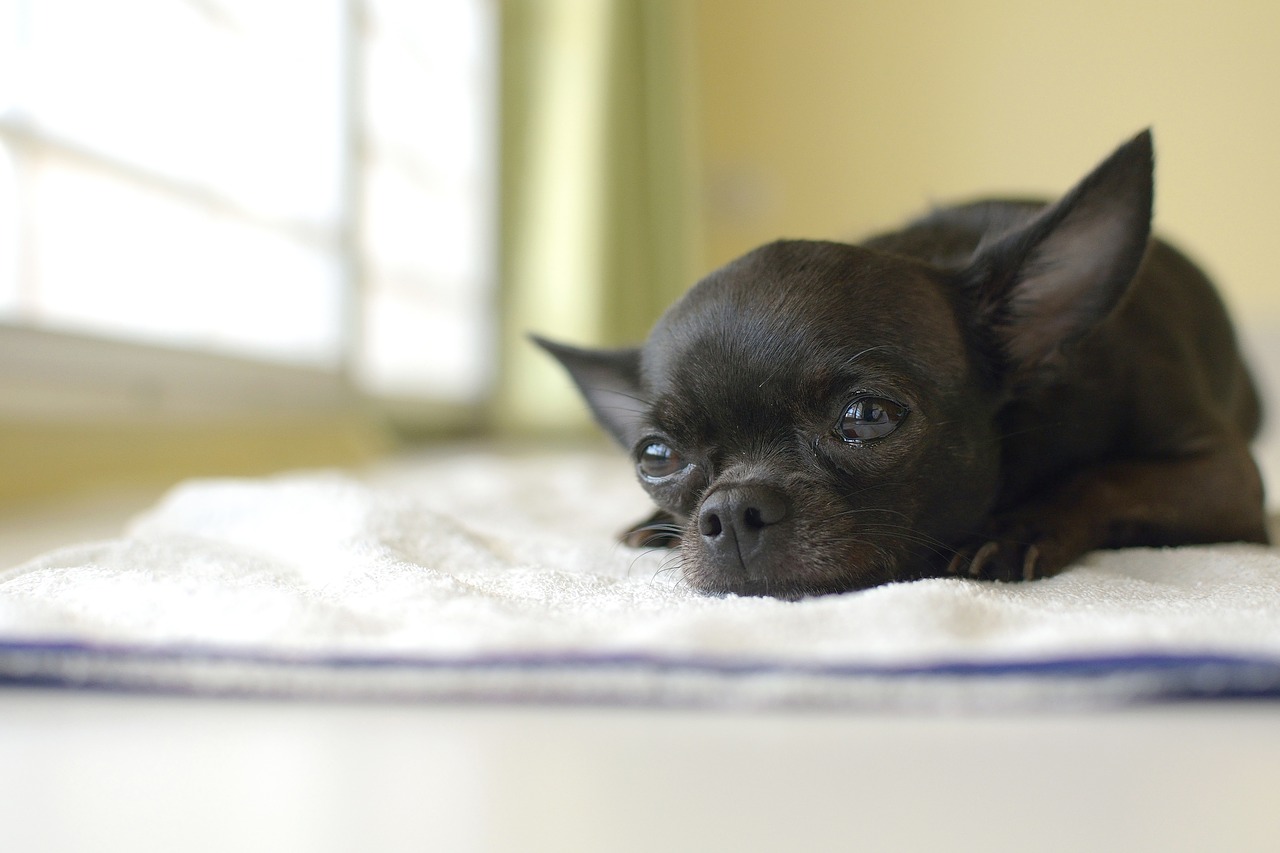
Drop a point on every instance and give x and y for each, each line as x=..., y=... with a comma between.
x=610, y=382
x=1048, y=283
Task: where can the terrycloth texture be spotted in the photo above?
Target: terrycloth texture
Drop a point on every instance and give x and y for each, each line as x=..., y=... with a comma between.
x=479, y=576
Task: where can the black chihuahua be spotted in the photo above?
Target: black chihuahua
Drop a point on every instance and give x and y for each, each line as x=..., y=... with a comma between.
x=990, y=392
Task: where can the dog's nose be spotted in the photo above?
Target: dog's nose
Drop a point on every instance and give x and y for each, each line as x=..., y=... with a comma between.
x=733, y=521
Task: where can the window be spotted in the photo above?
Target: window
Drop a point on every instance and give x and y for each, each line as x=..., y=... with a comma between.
x=307, y=182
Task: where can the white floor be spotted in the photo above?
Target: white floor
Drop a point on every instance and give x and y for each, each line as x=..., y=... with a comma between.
x=130, y=773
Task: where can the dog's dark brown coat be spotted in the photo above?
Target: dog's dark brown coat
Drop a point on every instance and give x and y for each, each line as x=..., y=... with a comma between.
x=990, y=392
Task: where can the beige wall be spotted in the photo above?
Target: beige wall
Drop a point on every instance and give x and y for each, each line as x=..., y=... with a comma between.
x=829, y=118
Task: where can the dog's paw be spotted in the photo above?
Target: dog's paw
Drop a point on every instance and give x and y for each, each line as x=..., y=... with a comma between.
x=1014, y=550
x=997, y=560
x=659, y=530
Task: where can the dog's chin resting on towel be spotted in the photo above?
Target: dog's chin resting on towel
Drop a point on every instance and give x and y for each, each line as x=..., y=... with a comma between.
x=992, y=391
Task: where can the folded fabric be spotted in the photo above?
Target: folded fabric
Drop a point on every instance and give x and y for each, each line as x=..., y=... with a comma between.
x=487, y=576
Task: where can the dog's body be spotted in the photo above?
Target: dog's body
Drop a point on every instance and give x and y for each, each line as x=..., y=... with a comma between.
x=990, y=392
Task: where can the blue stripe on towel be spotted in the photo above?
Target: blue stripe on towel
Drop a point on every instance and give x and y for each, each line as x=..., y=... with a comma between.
x=640, y=679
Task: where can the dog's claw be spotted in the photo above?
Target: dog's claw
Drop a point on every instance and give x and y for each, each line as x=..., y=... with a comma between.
x=981, y=558
x=1001, y=559
x=1029, y=563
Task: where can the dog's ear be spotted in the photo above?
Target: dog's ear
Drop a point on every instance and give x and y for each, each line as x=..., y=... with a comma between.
x=1048, y=283
x=610, y=382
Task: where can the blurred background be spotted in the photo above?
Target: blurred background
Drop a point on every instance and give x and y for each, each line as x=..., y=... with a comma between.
x=244, y=235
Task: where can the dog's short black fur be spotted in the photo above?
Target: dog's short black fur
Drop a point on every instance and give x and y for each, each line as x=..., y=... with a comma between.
x=990, y=392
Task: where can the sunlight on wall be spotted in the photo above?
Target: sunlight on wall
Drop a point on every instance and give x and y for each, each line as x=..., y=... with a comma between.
x=559, y=236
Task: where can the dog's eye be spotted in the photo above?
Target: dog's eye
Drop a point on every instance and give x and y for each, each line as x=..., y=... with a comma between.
x=656, y=461
x=870, y=418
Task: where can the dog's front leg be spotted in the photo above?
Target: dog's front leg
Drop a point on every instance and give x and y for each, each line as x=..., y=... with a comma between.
x=1209, y=497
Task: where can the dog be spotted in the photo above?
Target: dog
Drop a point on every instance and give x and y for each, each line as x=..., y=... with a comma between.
x=990, y=392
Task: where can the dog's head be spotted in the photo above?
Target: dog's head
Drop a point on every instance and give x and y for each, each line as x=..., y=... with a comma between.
x=821, y=417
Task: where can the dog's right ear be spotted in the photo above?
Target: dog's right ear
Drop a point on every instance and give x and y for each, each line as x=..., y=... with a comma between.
x=610, y=382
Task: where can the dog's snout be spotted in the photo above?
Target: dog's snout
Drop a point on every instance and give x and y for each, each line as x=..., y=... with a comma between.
x=733, y=521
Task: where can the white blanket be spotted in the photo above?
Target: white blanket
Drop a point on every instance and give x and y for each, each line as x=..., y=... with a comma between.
x=485, y=576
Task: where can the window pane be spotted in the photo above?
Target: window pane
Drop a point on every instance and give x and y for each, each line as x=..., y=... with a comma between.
x=10, y=55
x=427, y=233
x=239, y=98
x=183, y=170
x=412, y=228
x=425, y=346
x=113, y=258
x=9, y=236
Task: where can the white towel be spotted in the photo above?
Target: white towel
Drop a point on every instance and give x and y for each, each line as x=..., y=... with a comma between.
x=486, y=576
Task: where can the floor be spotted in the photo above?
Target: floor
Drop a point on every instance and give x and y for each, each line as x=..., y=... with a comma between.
x=27, y=532
x=134, y=773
